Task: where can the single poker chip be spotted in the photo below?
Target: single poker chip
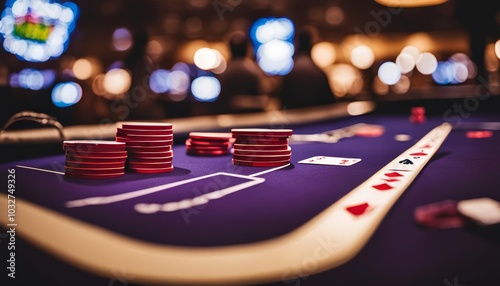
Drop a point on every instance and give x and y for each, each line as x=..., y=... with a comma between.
x=147, y=126
x=150, y=159
x=480, y=134
x=196, y=142
x=91, y=171
x=270, y=158
x=89, y=145
x=260, y=163
x=260, y=147
x=151, y=154
x=94, y=176
x=210, y=136
x=95, y=159
x=94, y=164
x=162, y=143
x=149, y=148
x=152, y=170
x=439, y=215
x=402, y=137
x=92, y=154
x=150, y=165
x=262, y=152
x=206, y=152
x=140, y=132
x=261, y=132
x=145, y=138
x=417, y=110
x=370, y=131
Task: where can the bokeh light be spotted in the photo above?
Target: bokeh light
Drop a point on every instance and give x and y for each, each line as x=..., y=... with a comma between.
x=413, y=51
x=389, y=73
x=497, y=48
x=491, y=62
x=82, y=69
x=207, y=59
x=158, y=81
x=450, y=72
x=205, y=88
x=344, y=79
x=66, y=94
x=426, y=63
x=362, y=57
x=323, y=54
x=405, y=62
x=402, y=86
x=37, y=30
x=122, y=39
x=32, y=79
x=178, y=81
x=117, y=81
x=334, y=15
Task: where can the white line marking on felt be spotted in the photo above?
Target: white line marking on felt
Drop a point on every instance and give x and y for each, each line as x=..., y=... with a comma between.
x=269, y=171
x=38, y=169
x=151, y=190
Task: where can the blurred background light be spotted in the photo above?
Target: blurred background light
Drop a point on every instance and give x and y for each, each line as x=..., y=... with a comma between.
x=205, y=88
x=362, y=57
x=66, y=94
x=158, y=81
x=122, y=39
x=426, y=63
x=323, y=54
x=389, y=73
x=117, y=81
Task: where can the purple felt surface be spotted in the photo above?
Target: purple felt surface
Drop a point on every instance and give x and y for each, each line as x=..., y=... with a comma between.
x=399, y=253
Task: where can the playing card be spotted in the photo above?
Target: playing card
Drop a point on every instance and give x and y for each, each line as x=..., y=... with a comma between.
x=331, y=161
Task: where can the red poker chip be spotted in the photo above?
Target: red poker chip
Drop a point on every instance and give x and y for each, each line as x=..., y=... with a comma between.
x=417, y=118
x=151, y=159
x=258, y=132
x=196, y=142
x=78, y=157
x=139, y=132
x=149, y=165
x=417, y=110
x=270, y=158
x=95, y=160
x=257, y=147
x=370, y=131
x=152, y=170
x=144, y=137
x=263, y=152
x=439, y=215
x=190, y=146
x=76, y=164
x=90, y=171
x=261, y=141
x=151, y=154
x=263, y=138
x=147, y=126
x=479, y=134
x=206, y=152
x=94, y=176
x=114, y=154
x=210, y=136
x=162, y=143
x=149, y=148
x=90, y=145
x=260, y=163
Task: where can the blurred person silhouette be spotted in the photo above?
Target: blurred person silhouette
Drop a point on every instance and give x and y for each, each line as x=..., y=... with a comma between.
x=306, y=85
x=243, y=83
x=142, y=103
x=481, y=21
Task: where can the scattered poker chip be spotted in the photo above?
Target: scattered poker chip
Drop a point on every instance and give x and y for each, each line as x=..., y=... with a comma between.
x=151, y=170
x=260, y=163
x=417, y=110
x=480, y=134
x=261, y=132
x=417, y=118
x=90, y=145
x=208, y=143
x=402, y=137
x=147, y=126
x=439, y=215
x=94, y=176
x=370, y=131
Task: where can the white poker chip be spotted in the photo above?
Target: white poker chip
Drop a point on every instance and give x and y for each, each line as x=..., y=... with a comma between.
x=484, y=211
x=402, y=137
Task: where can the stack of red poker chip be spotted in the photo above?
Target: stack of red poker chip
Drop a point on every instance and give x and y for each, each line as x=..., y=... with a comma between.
x=94, y=159
x=417, y=115
x=149, y=146
x=208, y=143
x=261, y=147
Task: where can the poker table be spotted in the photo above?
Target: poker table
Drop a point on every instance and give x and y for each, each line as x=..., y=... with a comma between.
x=267, y=227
